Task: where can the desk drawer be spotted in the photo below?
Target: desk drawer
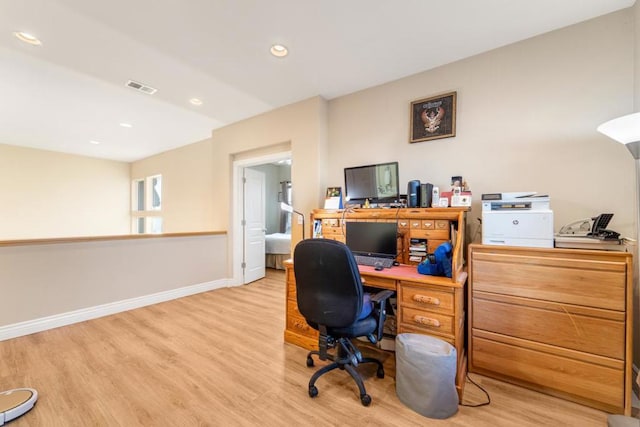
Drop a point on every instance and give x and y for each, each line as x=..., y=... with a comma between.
x=426, y=321
x=291, y=287
x=424, y=297
x=429, y=234
x=331, y=231
x=379, y=282
x=403, y=224
x=406, y=329
x=296, y=322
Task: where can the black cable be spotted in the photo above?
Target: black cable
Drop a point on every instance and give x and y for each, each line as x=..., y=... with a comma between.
x=483, y=390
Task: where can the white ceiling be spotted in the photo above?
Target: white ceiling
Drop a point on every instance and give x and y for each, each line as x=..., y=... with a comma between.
x=71, y=90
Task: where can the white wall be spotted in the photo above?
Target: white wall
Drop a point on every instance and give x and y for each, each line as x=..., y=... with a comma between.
x=299, y=128
x=526, y=121
x=42, y=280
x=190, y=196
x=50, y=194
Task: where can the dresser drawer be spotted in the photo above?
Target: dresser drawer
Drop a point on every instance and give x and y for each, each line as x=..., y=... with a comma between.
x=423, y=297
x=572, y=281
x=598, y=385
x=426, y=321
x=578, y=328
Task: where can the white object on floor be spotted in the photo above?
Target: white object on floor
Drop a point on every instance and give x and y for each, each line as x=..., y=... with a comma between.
x=16, y=402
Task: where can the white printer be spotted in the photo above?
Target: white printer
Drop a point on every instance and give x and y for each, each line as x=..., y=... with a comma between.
x=517, y=219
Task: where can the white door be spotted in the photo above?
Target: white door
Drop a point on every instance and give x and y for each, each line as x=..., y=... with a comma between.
x=254, y=225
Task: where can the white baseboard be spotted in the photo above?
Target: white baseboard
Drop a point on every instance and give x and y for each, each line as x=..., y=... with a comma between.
x=68, y=318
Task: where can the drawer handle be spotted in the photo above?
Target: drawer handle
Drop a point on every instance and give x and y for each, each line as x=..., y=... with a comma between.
x=427, y=321
x=426, y=299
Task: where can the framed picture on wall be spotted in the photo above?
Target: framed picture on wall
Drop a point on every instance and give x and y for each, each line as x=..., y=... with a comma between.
x=433, y=118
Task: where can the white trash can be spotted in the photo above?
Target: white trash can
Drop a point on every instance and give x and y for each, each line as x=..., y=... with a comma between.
x=426, y=375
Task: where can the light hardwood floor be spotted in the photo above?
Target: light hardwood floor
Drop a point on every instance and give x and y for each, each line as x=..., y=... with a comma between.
x=218, y=358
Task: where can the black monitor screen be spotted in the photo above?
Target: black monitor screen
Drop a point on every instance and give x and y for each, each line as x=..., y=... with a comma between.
x=378, y=183
x=372, y=238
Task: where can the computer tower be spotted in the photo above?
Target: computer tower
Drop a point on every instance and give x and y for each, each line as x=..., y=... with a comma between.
x=426, y=190
x=413, y=194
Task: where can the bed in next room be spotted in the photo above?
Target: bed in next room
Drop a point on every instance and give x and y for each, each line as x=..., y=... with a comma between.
x=277, y=249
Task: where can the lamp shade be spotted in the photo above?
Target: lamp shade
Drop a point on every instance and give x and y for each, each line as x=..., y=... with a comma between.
x=625, y=130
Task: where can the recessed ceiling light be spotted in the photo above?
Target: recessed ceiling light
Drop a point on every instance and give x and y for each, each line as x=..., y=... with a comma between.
x=27, y=38
x=94, y=142
x=126, y=125
x=279, y=50
x=195, y=101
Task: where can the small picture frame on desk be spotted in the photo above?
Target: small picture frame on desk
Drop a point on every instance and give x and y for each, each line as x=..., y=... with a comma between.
x=443, y=202
x=333, y=199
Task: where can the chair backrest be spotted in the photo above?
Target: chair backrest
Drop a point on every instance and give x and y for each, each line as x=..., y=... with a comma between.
x=328, y=284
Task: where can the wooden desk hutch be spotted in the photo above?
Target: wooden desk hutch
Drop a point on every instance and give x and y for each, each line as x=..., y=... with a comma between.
x=427, y=305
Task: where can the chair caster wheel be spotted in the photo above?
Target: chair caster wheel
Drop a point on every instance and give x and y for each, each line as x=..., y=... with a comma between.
x=313, y=391
x=309, y=362
x=365, y=399
x=380, y=373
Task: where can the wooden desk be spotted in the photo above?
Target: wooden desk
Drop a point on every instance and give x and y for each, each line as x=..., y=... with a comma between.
x=426, y=305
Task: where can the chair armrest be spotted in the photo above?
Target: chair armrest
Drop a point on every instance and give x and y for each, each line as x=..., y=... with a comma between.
x=381, y=296
x=381, y=299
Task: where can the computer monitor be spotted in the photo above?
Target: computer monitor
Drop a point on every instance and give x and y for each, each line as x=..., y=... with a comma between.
x=377, y=239
x=377, y=183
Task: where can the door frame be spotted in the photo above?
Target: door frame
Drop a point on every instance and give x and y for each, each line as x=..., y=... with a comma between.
x=237, y=250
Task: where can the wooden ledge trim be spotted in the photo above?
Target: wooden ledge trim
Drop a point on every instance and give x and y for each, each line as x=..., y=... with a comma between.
x=59, y=240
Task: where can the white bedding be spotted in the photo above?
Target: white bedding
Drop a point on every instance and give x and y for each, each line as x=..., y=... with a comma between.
x=278, y=243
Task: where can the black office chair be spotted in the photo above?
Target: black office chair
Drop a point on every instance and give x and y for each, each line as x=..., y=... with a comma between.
x=331, y=298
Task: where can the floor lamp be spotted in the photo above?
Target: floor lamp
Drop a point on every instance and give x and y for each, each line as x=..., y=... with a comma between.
x=16, y=402
x=288, y=208
x=626, y=130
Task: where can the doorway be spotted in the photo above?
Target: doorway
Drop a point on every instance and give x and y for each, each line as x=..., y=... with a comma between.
x=248, y=255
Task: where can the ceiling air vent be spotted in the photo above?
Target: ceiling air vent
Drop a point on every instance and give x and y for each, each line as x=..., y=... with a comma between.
x=141, y=87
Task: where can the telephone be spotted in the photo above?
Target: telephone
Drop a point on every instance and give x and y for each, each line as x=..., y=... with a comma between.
x=596, y=229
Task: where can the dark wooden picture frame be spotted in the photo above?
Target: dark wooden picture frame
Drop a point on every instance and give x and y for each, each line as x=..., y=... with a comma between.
x=433, y=118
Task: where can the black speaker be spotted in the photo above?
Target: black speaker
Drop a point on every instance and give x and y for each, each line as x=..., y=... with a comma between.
x=426, y=190
x=413, y=194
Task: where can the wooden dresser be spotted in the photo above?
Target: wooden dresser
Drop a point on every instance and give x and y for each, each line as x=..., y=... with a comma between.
x=425, y=304
x=554, y=320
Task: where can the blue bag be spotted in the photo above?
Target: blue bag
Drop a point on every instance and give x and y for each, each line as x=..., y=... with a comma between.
x=438, y=263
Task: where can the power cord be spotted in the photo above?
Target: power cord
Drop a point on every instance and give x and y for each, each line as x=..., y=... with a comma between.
x=483, y=390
